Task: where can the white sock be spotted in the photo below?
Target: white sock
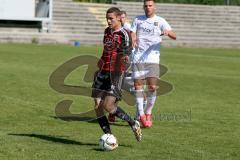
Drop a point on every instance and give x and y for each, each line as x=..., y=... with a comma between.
x=137, y=114
x=139, y=102
x=151, y=98
x=144, y=104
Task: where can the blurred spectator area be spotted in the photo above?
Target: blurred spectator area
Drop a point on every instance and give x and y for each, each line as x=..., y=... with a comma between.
x=26, y=13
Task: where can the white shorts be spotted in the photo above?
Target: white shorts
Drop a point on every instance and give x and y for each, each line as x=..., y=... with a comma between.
x=146, y=57
x=145, y=70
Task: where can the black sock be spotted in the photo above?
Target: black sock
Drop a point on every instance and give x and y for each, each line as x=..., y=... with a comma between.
x=103, y=122
x=124, y=116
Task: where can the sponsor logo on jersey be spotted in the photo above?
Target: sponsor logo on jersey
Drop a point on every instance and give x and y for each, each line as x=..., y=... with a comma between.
x=147, y=30
x=108, y=42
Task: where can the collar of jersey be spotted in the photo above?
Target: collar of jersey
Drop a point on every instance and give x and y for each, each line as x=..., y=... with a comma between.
x=151, y=17
x=116, y=30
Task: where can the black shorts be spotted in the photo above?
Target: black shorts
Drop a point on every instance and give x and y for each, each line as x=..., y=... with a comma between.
x=107, y=84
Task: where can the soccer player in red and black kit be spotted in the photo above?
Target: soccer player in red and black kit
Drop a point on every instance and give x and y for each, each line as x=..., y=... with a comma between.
x=108, y=80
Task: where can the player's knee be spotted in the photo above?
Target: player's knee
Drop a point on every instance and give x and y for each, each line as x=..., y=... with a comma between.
x=96, y=106
x=152, y=88
x=108, y=106
x=97, y=103
x=138, y=87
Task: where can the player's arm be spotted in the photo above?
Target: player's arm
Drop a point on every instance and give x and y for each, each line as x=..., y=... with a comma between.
x=167, y=30
x=170, y=33
x=134, y=39
x=126, y=46
x=126, y=52
x=133, y=32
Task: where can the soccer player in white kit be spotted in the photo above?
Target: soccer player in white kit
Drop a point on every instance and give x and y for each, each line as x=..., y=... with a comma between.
x=124, y=22
x=146, y=32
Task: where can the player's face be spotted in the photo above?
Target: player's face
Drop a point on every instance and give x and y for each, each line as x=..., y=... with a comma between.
x=149, y=8
x=123, y=18
x=113, y=21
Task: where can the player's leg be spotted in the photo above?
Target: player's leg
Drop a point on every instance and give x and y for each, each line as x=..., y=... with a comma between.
x=98, y=94
x=152, y=78
x=111, y=118
x=101, y=118
x=98, y=109
x=151, y=98
x=110, y=103
x=110, y=106
x=139, y=76
x=127, y=85
x=139, y=96
x=144, y=100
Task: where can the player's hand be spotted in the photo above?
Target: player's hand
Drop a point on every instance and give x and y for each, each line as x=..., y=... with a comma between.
x=170, y=34
x=134, y=44
x=166, y=32
x=125, y=59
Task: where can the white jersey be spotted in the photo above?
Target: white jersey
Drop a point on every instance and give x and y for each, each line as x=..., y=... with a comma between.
x=148, y=31
x=127, y=26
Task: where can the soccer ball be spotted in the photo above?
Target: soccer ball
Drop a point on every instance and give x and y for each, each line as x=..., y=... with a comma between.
x=108, y=142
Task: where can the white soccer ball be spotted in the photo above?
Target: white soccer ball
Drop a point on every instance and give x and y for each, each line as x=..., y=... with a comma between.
x=108, y=142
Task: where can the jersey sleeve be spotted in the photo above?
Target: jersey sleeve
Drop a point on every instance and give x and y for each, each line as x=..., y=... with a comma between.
x=126, y=46
x=134, y=25
x=127, y=26
x=165, y=25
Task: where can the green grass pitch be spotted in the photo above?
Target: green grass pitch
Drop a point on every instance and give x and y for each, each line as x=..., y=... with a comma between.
x=197, y=120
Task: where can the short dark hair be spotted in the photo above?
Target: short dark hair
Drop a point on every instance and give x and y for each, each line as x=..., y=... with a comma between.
x=114, y=10
x=123, y=12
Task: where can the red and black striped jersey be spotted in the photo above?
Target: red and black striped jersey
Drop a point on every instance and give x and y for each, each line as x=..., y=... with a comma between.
x=116, y=45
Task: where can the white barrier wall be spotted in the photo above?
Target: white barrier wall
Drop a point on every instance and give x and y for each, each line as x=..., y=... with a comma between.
x=27, y=10
x=17, y=9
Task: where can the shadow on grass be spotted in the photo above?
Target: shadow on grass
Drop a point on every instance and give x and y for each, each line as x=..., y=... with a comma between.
x=69, y=119
x=100, y=150
x=121, y=145
x=54, y=139
x=62, y=140
x=74, y=118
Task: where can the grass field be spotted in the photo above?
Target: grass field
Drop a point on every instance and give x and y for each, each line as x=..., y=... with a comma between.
x=198, y=120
